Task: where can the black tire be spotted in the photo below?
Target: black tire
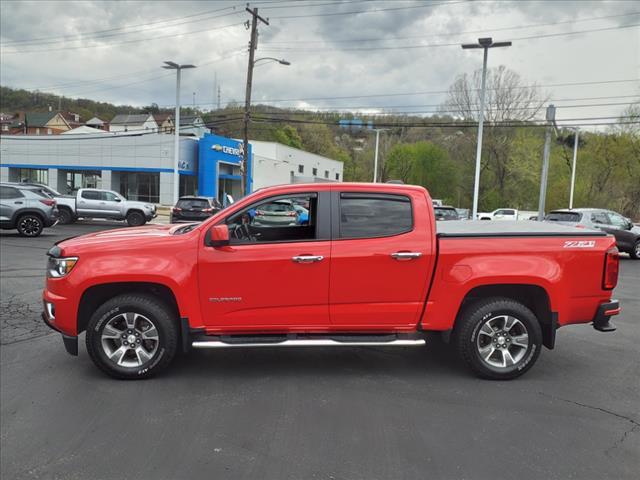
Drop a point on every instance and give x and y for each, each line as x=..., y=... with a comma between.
x=635, y=251
x=66, y=216
x=127, y=365
x=471, y=338
x=30, y=225
x=136, y=219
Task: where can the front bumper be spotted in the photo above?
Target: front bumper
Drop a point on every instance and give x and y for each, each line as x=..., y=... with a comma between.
x=70, y=342
x=604, y=313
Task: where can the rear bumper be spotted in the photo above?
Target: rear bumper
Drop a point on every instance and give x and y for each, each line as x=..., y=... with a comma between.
x=604, y=313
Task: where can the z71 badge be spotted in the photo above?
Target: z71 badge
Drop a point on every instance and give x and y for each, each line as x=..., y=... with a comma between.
x=580, y=244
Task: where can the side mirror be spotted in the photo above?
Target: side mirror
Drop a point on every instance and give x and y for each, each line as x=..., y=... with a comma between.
x=217, y=236
x=118, y=199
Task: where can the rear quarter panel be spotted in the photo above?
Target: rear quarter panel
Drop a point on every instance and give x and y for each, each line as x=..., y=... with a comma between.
x=570, y=274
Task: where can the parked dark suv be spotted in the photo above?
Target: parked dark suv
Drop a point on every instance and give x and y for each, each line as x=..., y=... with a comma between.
x=193, y=209
x=627, y=235
x=26, y=209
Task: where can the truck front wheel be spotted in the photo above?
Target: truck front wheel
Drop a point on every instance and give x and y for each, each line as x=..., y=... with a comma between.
x=135, y=219
x=132, y=336
x=498, y=338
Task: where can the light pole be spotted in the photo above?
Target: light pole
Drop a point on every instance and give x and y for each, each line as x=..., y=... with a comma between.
x=485, y=44
x=573, y=166
x=176, y=126
x=375, y=160
x=247, y=107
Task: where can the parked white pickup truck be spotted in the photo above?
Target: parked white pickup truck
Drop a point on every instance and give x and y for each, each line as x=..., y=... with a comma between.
x=508, y=214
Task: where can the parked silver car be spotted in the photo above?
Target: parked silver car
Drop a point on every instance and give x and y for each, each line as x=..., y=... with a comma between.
x=627, y=235
x=26, y=209
x=280, y=213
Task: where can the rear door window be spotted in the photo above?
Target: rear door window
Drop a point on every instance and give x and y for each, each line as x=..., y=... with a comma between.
x=564, y=217
x=374, y=215
x=91, y=195
x=600, y=218
x=10, y=192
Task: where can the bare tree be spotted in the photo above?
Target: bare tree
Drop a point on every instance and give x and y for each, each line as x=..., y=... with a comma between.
x=506, y=98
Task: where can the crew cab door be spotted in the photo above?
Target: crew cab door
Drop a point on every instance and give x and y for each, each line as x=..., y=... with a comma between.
x=273, y=275
x=88, y=203
x=381, y=259
x=110, y=205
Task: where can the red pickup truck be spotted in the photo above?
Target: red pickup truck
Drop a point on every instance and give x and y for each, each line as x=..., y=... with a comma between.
x=339, y=264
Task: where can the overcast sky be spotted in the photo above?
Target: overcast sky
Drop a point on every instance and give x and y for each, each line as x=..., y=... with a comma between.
x=112, y=50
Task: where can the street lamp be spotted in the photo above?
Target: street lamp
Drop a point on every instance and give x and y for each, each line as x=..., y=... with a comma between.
x=573, y=166
x=485, y=44
x=375, y=159
x=176, y=123
x=247, y=108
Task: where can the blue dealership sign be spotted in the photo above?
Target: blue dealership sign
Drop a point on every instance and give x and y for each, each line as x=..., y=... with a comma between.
x=213, y=150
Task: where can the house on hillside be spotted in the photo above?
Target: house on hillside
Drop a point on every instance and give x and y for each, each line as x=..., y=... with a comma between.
x=133, y=123
x=38, y=123
x=96, y=122
x=5, y=122
x=73, y=119
x=193, y=125
x=164, y=121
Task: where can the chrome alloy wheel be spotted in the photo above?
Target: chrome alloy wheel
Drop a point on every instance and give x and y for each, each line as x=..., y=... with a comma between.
x=130, y=339
x=30, y=226
x=637, y=249
x=502, y=341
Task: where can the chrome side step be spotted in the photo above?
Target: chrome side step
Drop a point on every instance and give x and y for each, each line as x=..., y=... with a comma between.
x=324, y=342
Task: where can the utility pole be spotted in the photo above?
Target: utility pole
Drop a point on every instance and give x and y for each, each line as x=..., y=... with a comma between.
x=485, y=44
x=551, y=116
x=253, y=44
x=573, y=167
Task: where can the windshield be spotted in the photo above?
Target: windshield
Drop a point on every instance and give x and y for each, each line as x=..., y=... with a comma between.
x=446, y=213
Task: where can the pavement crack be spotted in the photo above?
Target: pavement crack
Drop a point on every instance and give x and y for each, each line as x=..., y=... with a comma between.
x=621, y=440
x=592, y=407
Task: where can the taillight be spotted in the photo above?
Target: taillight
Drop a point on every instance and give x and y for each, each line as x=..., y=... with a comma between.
x=259, y=213
x=48, y=202
x=177, y=209
x=291, y=214
x=207, y=210
x=611, y=269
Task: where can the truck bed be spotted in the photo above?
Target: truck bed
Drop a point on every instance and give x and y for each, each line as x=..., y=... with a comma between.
x=511, y=228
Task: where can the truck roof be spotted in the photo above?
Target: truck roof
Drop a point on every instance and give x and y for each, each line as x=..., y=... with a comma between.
x=343, y=186
x=521, y=228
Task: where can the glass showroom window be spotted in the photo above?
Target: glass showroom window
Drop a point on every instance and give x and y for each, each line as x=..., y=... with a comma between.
x=34, y=175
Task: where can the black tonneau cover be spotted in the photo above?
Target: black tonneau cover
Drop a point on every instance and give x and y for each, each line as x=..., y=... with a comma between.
x=521, y=228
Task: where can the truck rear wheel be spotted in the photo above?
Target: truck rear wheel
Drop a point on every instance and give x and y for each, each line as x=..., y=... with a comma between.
x=635, y=251
x=132, y=336
x=66, y=216
x=498, y=338
x=135, y=219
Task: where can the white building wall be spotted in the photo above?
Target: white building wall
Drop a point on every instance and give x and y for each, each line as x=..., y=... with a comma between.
x=277, y=164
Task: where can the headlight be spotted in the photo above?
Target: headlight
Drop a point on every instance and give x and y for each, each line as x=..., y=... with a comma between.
x=60, y=267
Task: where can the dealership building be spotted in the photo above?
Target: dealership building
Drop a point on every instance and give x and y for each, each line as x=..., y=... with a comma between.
x=140, y=165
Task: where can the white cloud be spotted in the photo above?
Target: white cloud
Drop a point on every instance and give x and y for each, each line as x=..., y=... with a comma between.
x=325, y=69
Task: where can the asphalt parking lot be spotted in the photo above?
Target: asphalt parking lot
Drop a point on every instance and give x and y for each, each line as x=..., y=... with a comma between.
x=352, y=413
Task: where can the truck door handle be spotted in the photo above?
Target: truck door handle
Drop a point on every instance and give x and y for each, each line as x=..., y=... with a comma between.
x=307, y=258
x=406, y=255
x=18, y=203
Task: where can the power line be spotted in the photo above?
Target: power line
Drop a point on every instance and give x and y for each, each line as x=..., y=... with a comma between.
x=438, y=92
x=468, y=32
x=437, y=45
x=126, y=42
x=374, y=10
x=84, y=35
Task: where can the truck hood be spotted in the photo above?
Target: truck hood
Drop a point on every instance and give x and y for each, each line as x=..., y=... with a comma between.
x=120, y=238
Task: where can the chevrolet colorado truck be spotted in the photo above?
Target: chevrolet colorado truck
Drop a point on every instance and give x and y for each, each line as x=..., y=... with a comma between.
x=367, y=269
